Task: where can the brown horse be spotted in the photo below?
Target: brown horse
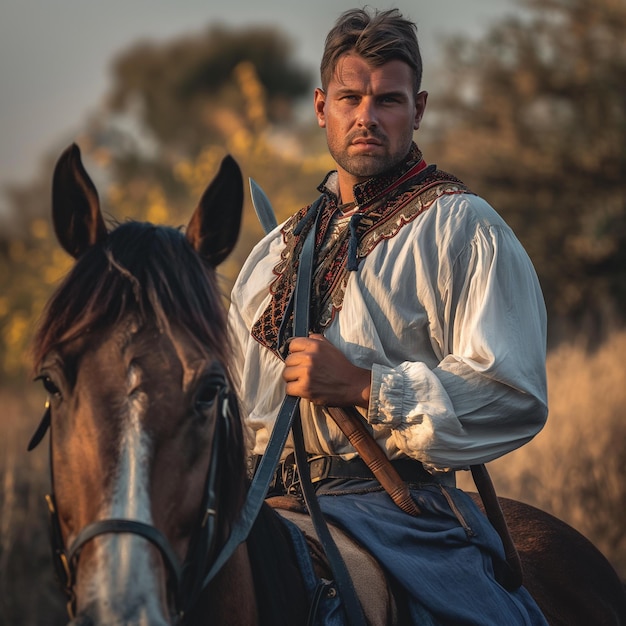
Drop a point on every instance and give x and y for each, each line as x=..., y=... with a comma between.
x=147, y=448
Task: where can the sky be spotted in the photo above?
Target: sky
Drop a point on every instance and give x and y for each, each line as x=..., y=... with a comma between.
x=55, y=54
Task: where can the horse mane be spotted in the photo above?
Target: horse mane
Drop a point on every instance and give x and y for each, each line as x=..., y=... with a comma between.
x=147, y=270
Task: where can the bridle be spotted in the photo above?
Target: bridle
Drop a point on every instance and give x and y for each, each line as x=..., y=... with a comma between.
x=185, y=582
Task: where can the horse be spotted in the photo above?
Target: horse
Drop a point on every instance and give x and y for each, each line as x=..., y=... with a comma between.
x=147, y=447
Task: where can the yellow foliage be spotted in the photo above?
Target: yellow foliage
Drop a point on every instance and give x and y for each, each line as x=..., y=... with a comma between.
x=318, y=163
x=241, y=141
x=39, y=229
x=59, y=266
x=13, y=335
x=17, y=251
x=195, y=175
x=102, y=156
x=157, y=211
x=115, y=194
x=253, y=92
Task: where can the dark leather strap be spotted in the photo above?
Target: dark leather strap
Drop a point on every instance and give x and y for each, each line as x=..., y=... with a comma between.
x=42, y=429
x=134, y=527
x=258, y=488
x=514, y=577
x=301, y=325
x=265, y=471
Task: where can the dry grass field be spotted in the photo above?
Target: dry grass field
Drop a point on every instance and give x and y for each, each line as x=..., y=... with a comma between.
x=575, y=468
x=29, y=594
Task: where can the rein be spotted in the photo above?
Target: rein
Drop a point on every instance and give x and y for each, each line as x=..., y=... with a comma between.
x=289, y=419
x=185, y=581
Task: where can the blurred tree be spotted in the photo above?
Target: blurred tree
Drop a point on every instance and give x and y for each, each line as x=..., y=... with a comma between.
x=175, y=110
x=534, y=117
x=183, y=91
x=30, y=263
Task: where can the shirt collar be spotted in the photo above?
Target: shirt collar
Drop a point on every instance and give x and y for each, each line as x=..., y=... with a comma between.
x=368, y=190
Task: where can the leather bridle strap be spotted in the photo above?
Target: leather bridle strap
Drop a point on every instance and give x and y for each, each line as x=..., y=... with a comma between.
x=183, y=579
x=269, y=461
x=146, y=531
x=258, y=488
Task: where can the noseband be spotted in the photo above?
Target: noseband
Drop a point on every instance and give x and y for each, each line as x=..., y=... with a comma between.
x=185, y=581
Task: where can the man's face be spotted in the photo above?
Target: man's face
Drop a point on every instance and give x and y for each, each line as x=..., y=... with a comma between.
x=369, y=114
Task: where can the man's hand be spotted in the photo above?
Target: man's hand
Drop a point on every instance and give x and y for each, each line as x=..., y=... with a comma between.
x=319, y=372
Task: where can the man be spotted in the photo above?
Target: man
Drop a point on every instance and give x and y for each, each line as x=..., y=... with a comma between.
x=427, y=316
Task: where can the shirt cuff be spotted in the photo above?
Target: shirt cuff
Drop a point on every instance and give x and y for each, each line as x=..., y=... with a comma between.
x=386, y=396
x=409, y=394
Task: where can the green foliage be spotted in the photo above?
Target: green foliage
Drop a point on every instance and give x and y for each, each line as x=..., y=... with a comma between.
x=533, y=118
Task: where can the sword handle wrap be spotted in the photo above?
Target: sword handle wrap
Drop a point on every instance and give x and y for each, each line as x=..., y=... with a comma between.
x=352, y=426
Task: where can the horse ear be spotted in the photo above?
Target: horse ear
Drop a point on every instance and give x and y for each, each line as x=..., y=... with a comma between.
x=214, y=226
x=76, y=215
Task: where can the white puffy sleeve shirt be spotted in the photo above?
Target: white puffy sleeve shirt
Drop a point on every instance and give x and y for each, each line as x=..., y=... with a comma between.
x=449, y=317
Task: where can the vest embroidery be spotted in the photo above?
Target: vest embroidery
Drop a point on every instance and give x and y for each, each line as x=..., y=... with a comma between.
x=391, y=206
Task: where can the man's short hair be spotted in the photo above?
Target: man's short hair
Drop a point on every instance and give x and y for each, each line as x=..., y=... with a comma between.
x=379, y=37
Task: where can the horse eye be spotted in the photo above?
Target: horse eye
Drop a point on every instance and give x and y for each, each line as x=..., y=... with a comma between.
x=49, y=385
x=206, y=398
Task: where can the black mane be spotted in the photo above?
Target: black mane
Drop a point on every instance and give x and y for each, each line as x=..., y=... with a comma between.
x=151, y=271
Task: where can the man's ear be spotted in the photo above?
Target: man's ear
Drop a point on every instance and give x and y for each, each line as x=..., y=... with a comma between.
x=320, y=106
x=420, y=107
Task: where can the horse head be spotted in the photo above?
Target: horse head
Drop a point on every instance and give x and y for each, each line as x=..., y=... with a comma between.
x=132, y=351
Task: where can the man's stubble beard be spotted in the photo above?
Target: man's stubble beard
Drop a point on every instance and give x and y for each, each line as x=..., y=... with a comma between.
x=364, y=166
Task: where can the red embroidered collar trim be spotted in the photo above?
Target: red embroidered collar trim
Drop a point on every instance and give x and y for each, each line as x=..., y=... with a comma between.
x=386, y=204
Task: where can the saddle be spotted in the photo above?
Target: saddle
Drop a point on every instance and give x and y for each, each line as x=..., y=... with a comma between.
x=376, y=594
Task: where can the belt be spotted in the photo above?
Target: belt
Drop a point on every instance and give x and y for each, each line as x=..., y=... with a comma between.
x=329, y=467
x=326, y=467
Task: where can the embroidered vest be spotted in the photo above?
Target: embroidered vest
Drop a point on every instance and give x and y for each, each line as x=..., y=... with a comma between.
x=385, y=205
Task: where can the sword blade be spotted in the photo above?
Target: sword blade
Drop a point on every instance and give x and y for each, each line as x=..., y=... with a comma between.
x=262, y=207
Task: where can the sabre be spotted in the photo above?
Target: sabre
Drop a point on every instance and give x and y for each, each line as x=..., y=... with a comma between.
x=262, y=207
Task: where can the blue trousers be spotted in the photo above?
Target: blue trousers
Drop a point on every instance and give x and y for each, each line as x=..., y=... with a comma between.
x=443, y=560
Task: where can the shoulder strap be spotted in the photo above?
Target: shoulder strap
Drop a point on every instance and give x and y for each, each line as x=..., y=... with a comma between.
x=289, y=418
x=269, y=461
x=302, y=297
x=513, y=578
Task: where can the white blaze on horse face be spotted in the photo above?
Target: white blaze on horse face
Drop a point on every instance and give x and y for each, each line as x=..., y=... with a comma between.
x=127, y=579
x=130, y=498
